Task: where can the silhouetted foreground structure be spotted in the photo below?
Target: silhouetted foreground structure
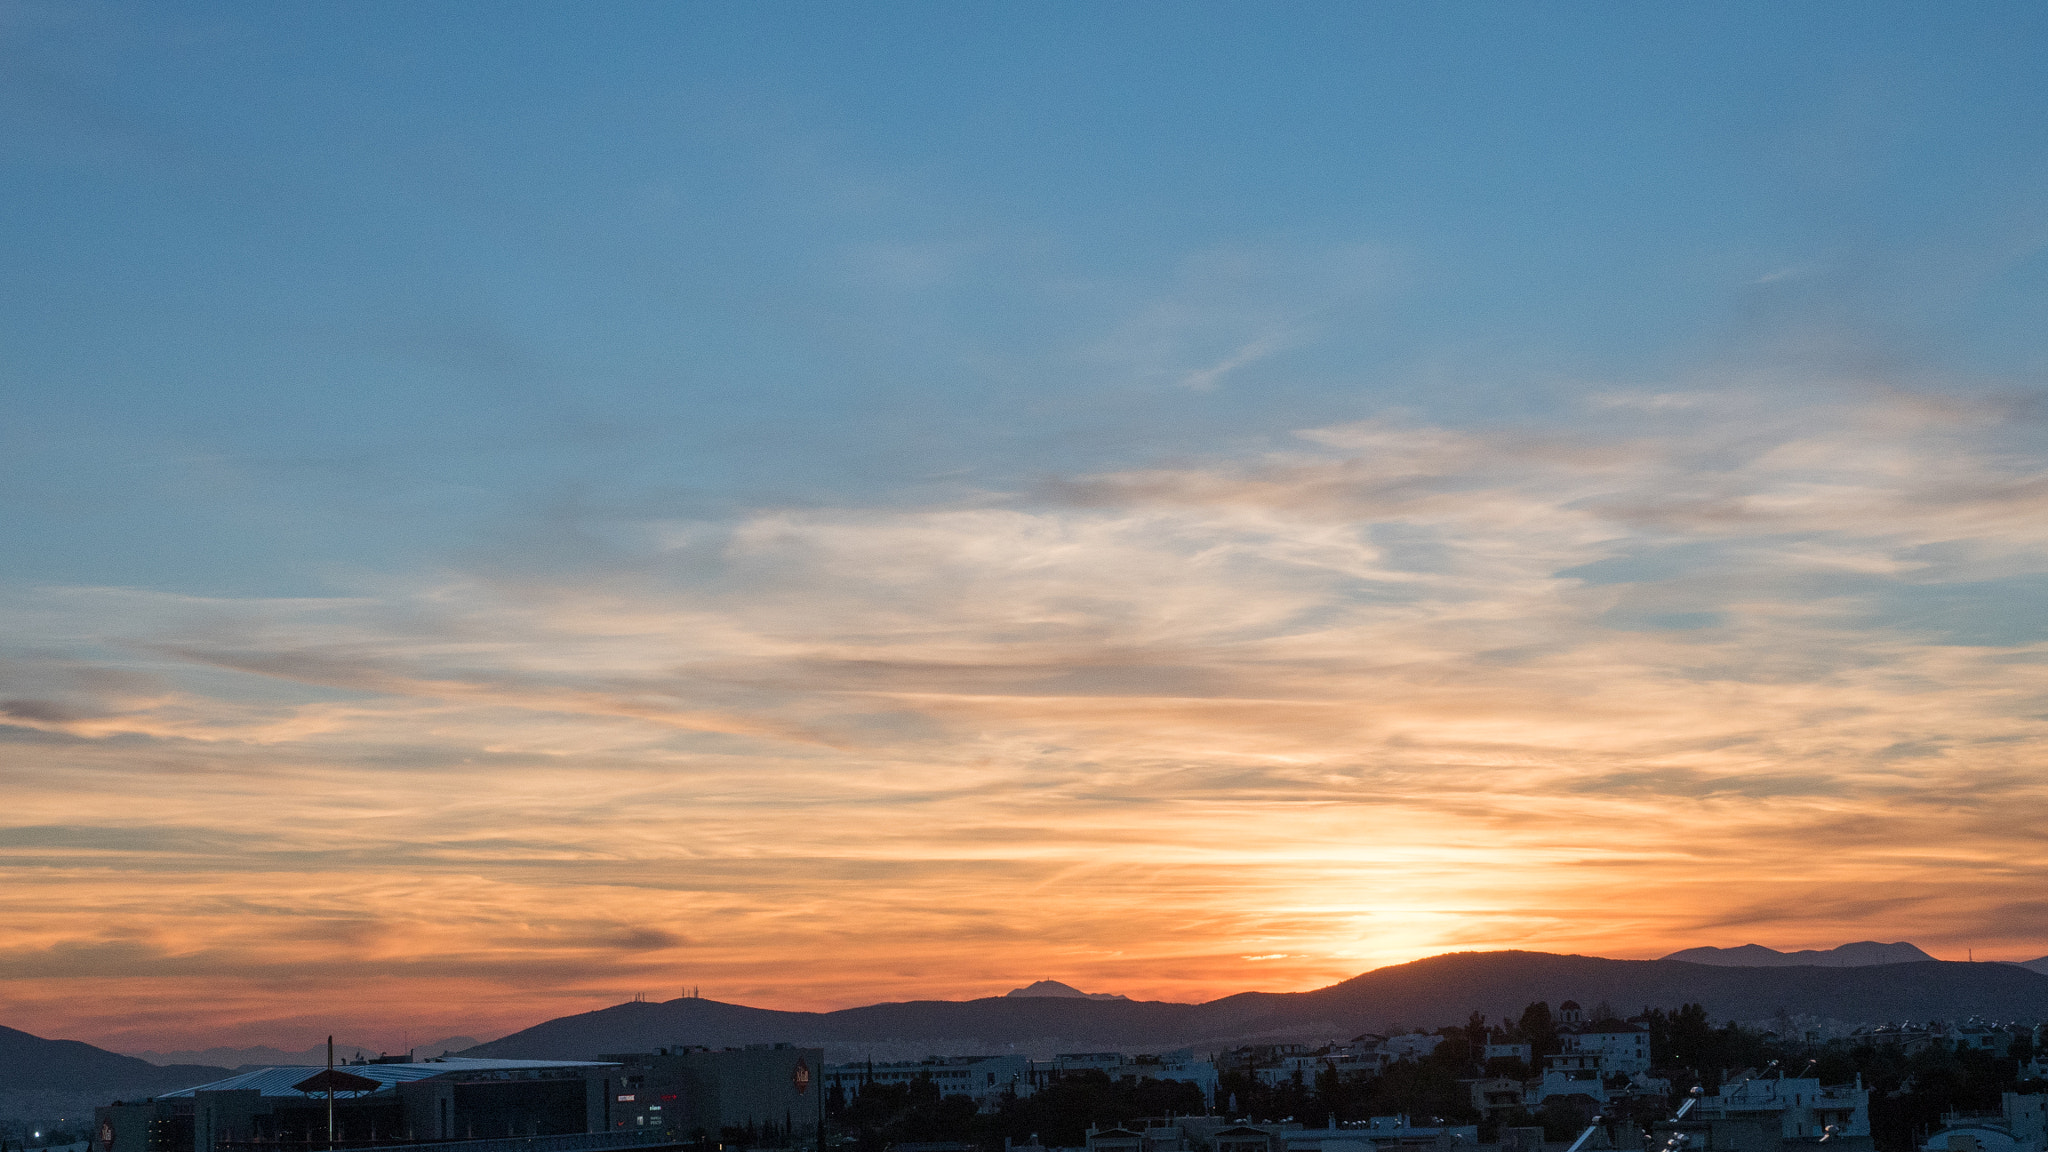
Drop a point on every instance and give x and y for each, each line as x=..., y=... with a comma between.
x=636, y=1100
x=449, y=1099
x=768, y=1091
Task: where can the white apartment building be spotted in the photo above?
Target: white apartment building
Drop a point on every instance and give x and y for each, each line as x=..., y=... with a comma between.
x=2020, y=1125
x=1380, y=1134
x=1802, y=1107
x=984, y=1078
x=1621, y=1047
x=1411, y=1046
x=1504, y=1049
x=1179, y=1065
x=1568, y=1074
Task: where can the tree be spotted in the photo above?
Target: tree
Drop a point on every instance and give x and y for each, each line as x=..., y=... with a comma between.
x=1061, y=1112
x=1538, y=1030
x=1475, y=1032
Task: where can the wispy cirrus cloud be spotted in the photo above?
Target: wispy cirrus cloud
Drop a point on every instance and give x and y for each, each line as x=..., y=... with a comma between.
x=1393, y=689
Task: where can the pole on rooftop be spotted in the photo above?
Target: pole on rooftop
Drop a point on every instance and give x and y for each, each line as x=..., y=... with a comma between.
x=330, y=1094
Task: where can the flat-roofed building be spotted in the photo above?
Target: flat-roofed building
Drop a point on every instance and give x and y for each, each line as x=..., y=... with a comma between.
x=450, y=1098
x=686, y=1090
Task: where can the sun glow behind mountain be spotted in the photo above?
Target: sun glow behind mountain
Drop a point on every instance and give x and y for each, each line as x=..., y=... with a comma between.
x=1265, y=722
x=833, y=506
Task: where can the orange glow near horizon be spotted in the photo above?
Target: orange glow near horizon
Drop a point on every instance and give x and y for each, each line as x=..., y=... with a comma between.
x=1258, y=724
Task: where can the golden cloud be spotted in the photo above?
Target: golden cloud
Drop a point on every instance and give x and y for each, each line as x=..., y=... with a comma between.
x=1693, y=671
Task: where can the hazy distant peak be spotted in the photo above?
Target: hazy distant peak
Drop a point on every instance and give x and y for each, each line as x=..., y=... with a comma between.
x=2037, y=964
x=1861, y=954
x=1054, y=988
x=264, y=1055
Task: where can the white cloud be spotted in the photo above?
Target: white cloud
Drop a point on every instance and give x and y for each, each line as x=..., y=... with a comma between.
x=1470, y=671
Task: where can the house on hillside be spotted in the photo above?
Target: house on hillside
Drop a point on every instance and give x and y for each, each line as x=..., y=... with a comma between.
x=1796, y=1107
x=1622, y=1047
x=1496, y=1096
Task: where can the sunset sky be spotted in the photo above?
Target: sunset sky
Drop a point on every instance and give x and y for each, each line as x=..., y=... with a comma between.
x=511, y=507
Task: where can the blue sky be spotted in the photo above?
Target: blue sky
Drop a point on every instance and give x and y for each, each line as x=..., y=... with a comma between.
x=303, y=287
x=1301, y=475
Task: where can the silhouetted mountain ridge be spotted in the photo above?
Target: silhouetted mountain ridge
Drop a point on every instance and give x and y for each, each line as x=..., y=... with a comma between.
x=263, y=1056
x=32, y=1064
x=1056, y=988
x=1437, y=991
x=1426, y=993
x=1861, y=954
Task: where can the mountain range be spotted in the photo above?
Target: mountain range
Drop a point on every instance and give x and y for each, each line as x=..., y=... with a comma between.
x=1430, y=993
x=264, y=1057
x=1861, y=954
x=1433, y=992
x=32, y=1064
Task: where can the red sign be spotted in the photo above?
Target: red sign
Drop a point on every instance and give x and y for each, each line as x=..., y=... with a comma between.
x=801, y=1077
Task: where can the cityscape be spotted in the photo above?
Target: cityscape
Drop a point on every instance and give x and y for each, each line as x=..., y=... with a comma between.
x=1565, y=1076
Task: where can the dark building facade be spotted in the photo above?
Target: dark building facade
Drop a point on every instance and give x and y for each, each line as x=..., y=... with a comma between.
x=434, y=1100
x=686, y=1091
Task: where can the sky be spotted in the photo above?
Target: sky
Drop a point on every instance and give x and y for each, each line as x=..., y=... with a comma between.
x=510, y=508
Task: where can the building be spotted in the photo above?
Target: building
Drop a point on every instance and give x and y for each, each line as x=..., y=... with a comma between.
x=1497, y=1096
x=1109, y=1063
x=1800, y=1108
x=985, y=1079
x=1500, y=1047
x=2018, y=1126
x=1380, y=1134
x=1570, y=1074
x=1621, y=1046
x=450, y=1098
x=771, y=1089
x=1977, y=1036
x=1179, y=1065
x=1777, y=1115
x=1412, y=1046
x=1115, y=1140
x=1241, y=1138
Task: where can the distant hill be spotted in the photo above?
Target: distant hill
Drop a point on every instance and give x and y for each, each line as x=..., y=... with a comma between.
x=2038, y=964
x=1427, y=993
x=1055, y=988
x=271, y=1057
x=1861, y=954
x=33, y=1064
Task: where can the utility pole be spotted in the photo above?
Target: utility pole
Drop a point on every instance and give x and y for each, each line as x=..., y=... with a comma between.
x=330, y=1094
